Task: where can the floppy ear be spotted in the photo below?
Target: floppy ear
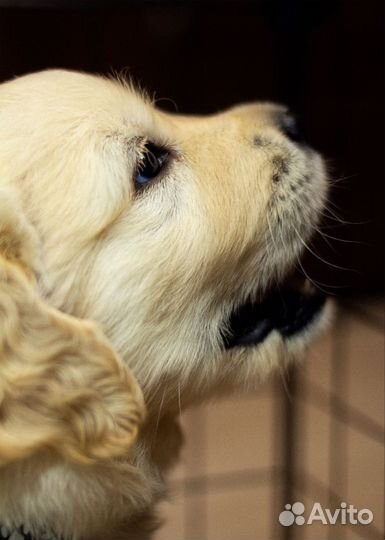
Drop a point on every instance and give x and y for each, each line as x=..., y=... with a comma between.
x=62, y=387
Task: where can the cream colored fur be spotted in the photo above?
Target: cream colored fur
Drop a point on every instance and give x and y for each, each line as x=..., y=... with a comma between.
x=159, y=271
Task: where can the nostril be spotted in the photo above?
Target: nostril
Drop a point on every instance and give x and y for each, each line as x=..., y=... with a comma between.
x=292, y=128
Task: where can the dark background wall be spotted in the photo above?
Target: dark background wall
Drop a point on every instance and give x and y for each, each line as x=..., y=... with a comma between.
x=323, y=57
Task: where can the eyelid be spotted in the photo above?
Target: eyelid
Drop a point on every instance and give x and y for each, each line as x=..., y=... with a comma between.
x=160, y=156
x=139, y=146
x=152, y=165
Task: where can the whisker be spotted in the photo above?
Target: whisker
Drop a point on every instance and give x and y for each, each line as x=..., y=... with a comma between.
x=316, y=284
x=334, y=215
x=322, y=233
x=325, y=238
x=329, y=214
x=320, y=258
x=271, y=232
x=341, y=179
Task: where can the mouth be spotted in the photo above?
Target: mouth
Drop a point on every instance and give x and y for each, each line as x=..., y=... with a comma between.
x=289, y=309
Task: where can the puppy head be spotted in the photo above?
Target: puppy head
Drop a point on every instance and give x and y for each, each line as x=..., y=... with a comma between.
x=174, y=232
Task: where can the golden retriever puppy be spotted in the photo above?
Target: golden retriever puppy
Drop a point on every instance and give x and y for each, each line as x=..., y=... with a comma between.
x=176, y=235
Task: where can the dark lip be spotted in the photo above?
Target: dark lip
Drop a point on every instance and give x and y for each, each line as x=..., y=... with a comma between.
x=287, y=310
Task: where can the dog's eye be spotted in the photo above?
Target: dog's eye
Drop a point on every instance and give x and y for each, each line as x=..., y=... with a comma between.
x=152, y=162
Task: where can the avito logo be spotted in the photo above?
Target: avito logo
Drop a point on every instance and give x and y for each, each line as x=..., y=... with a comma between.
x=345, y=514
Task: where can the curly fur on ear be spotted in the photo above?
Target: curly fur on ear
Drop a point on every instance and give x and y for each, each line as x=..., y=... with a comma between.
x=62, y=387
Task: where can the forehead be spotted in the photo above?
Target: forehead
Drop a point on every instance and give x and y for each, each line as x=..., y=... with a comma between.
x=70, y=99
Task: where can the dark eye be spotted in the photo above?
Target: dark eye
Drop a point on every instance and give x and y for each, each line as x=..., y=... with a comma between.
x=153, y=160
x=292, y=128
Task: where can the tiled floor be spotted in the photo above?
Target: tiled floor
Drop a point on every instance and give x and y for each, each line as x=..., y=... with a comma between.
x=237, y=470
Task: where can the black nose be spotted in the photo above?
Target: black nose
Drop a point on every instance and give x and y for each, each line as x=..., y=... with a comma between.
x=291, y=127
